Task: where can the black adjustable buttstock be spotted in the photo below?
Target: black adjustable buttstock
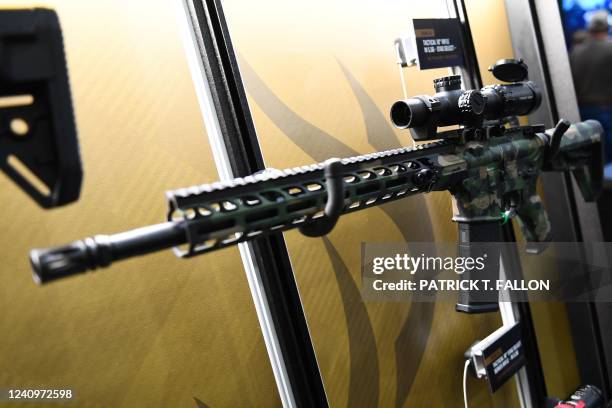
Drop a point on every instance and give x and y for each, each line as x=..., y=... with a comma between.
x=39, y=149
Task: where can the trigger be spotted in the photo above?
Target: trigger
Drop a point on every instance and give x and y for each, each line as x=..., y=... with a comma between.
x=508, y=215
x=510, y=211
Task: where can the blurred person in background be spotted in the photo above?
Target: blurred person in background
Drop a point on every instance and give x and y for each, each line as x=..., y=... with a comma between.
x=591, y=62
x=579, y=37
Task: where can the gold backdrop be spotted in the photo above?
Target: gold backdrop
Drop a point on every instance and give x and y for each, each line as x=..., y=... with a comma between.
x=151, y=332
x=158, y=331
x=321, y=77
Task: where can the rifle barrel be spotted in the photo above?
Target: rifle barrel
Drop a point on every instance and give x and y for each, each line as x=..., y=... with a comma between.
x=100, y=251
x=211, y=217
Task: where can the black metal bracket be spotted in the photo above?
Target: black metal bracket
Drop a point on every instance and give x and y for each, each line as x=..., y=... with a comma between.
x=334, y=184
x=555, y=142
x=245, y=158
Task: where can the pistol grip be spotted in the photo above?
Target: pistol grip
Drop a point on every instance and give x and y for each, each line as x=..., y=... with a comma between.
x=533, y=219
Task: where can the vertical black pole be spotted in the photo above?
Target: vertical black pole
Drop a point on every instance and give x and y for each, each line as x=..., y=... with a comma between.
x=471, y=70
x=270, y=255
x=535, y=375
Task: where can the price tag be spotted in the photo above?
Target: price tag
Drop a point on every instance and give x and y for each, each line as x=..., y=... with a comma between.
x=438, y=42
x=499, y=356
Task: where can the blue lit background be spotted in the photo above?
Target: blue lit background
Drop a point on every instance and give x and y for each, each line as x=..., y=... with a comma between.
x=576, y=13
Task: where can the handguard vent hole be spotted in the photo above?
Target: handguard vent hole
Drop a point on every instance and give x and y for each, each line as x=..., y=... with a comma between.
x=177, y=215
x=314, y=187
x=251, y=200
x=204, y=212
x=382, y=171
x=228, y=206
x=366, y=175
x=294, y=191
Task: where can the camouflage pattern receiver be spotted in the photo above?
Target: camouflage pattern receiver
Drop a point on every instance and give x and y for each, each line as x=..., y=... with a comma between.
x=502, y=173
x=501, y=176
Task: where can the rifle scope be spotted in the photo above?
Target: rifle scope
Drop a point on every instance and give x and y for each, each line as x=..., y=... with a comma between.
x=451, y=105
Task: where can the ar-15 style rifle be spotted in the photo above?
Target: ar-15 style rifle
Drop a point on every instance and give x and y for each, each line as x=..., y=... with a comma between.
x=490, y=170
